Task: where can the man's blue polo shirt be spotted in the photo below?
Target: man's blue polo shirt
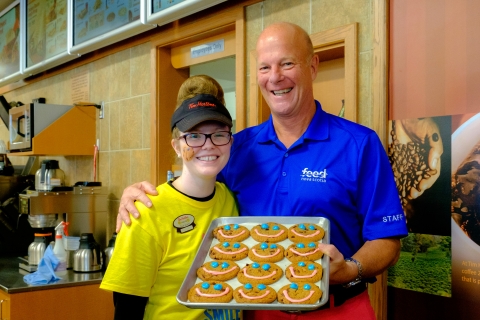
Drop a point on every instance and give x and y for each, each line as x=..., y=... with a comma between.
x=338, y=170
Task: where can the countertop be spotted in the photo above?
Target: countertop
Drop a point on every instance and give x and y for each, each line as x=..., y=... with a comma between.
x=11, y=279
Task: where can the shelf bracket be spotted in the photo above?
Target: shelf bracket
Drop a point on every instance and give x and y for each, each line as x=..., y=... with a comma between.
x=100, y=107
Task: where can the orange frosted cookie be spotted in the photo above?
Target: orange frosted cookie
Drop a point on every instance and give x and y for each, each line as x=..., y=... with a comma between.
x=305, y=232
x=304, y=293
x=301, y=252
x=304, y=271
x=254, y=294
x=220, y=270
x=265, y=252
x=229, y=251
x=211, y=291
x=231, y=232
x=269, y=232
x=256, y=273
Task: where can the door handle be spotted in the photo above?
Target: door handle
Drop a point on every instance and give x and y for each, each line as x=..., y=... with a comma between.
x=18, y=126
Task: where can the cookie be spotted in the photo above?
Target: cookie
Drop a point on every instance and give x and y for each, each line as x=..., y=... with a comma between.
x=305, y=232
x=301, y=252
x=254, y=294
x=269, y=232
x=256, y=273
x=231, y=233
x=211, y=291
x=229, y=251
x=264, y=252
x=304, y=271
x=219, y=270
x=303, y=293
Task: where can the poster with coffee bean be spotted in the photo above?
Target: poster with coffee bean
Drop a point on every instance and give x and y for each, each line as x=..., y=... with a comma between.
x=419, y=153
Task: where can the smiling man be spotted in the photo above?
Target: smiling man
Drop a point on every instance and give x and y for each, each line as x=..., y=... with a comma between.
x=273, y=167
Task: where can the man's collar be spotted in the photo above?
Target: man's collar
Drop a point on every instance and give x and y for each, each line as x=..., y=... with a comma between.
x=317, y=129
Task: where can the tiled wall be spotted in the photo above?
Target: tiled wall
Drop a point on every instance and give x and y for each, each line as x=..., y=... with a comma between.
x=122, y=80
x=319, y=15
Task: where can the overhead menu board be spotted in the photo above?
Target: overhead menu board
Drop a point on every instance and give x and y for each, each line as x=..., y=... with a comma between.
x=159, y=5
x=164, y=11
x=96, y=17
x=10, y=43
x=46, y=34
x=97, y=23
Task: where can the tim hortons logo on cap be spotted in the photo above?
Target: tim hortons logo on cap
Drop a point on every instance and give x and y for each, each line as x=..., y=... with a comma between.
x=201, y=104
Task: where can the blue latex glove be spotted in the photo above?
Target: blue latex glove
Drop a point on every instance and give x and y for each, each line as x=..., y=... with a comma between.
x=45, y=271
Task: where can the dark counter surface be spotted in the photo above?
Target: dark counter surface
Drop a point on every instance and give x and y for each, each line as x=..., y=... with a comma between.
x=11, y=278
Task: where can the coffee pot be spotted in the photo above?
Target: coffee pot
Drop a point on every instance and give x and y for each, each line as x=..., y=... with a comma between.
x=109, y=249
x=89, y=256
x=37, y=248
x=49, y=176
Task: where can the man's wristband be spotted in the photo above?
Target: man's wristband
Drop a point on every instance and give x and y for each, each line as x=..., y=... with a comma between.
x=358, y=279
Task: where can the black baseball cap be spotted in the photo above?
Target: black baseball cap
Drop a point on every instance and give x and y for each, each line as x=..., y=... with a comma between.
x=202, y=107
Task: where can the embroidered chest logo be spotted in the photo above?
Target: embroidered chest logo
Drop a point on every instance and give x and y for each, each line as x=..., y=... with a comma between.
x=314, y=176
x=184, y=223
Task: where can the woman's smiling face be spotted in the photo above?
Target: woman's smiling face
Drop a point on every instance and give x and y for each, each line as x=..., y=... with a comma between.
x=205, y=161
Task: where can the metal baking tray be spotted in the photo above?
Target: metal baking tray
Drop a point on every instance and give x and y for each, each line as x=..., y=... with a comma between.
x=249, y=222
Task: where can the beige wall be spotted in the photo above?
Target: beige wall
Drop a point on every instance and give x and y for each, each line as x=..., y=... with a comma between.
x=319, y=15
x=122, y=80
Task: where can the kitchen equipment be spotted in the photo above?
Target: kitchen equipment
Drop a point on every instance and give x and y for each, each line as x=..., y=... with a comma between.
x=109, y=250
x=71, y=245
x=37, y=248
x=89, y=256
x=27, y=121
x=4, y=108
x=49, y=175
x=84, y=208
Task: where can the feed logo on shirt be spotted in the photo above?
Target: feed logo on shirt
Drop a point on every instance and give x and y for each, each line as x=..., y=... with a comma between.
x=184, y=223
x=314, y=176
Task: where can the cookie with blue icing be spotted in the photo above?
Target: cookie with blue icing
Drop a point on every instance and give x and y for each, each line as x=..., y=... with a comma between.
x=229, y=251
x=231, y=232
x=270, y=232
x=266, y=252
x=256, y=273
x=305, y=232
x=220, y=270
x=259, y=293
x=304, y=271
x=301, y=293
x=303, y=251
x=211, y=291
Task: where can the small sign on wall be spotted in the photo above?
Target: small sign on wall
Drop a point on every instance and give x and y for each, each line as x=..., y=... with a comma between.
x=81, y=87
x=208, y=48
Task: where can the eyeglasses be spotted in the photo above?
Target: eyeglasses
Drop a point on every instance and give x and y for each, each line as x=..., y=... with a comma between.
x=219, y=138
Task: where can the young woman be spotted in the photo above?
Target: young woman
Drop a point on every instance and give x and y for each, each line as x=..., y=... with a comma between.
x=153, y=255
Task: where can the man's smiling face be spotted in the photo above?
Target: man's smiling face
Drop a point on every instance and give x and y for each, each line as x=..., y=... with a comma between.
x=285, y=70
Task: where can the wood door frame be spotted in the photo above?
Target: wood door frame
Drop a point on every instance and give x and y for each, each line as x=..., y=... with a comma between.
x=163, y=98
x=344, y=36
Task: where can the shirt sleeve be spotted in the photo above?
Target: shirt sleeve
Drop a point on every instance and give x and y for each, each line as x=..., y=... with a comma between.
x=135, y=260
x=378, y=199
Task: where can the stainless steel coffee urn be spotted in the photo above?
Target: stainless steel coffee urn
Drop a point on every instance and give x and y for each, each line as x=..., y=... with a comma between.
x=83, y=206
